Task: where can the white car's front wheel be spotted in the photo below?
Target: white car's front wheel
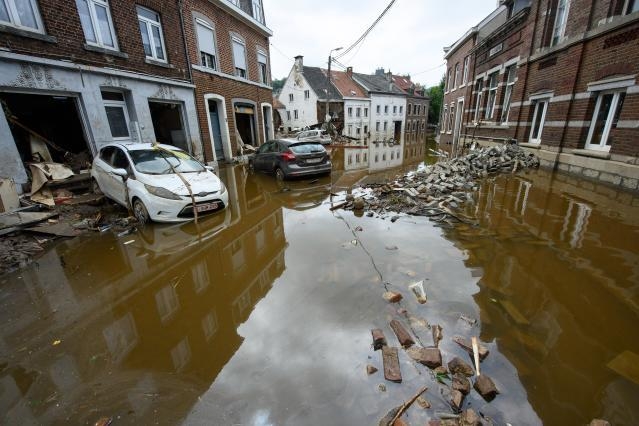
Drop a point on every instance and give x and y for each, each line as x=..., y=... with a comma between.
x=140, y=212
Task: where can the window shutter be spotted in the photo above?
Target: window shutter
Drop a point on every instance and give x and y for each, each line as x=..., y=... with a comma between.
x=205, y=39
x=261, y=57
x=239, y=54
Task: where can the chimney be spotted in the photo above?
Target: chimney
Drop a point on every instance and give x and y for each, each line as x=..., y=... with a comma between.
x=299, y=62
x=379, y=71
x=389, y=76
x=349, y=72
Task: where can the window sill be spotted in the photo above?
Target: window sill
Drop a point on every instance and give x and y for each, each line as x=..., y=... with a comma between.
x=26, y=33
x=105, y=51
x=158, y=63
x=603, y=155
x=530, y=145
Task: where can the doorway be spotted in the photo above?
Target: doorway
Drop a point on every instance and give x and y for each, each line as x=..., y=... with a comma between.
x=168, y=124
x=245, y=124
x=398, y=132
x=216, y=129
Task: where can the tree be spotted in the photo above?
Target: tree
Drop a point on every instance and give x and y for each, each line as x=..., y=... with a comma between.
x=278, y=84
x=436, y=94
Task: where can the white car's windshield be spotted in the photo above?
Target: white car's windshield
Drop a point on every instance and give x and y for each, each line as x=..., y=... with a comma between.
x=162, y=162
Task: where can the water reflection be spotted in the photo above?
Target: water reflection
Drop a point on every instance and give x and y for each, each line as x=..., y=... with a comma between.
x=560, y=290
x=140, y=324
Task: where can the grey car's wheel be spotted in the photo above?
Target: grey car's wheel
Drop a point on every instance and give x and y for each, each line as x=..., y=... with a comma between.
x=279, y=174
x=140, y=212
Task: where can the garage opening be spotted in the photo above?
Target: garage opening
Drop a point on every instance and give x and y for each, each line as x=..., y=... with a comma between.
x=245, y=124
x=168, y=124
x=47, y=128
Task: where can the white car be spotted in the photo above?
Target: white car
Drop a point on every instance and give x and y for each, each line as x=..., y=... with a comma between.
x=143, y=176
x=314, y=136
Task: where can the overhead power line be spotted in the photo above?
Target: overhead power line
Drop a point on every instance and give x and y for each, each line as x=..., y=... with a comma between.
x=368, y=30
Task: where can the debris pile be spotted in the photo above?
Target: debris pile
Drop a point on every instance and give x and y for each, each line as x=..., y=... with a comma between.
x=438, y=190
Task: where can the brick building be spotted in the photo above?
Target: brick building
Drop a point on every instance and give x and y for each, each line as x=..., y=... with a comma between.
x=559, y=77
x=228, y=46
x=82, y=74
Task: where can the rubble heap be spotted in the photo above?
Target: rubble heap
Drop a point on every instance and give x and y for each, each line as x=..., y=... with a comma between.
x=436, y=190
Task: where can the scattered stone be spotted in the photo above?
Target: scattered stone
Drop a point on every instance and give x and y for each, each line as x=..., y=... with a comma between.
x=371, y=369
x=441, y=370
x=457, y=365
x=381, y=387
x=456, y=400
x=469, y=418
x=466, y=344
x=402, y=335
x=599, y=422
x=392, y=297
x=392, y=372
x=359, y=229
x=358, y=204
x=485, y=387
x=430, y=357
x=379, y=340
x=391, y=248
x=461, y=383
x=423, y=402
x=437, y=334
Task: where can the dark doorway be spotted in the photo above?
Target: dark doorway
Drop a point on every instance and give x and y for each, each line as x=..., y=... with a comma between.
x=398, y=131
x=245, y=124
x=168, y=124
x=267, y=128
x=216, y=129
x=54, y=118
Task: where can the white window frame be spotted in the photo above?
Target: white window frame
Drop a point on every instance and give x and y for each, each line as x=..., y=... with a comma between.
x=307, y=94
x=148, y=23
x=492, y=93
x=263, y=70
x=350, y=112
x=456, y=76
x=508, y=92
x=479, y=95
x=208, y=26
x=602, y=144
x=257, y=11
x=94, y=21
x=634, y=4
x=466, y=69
x=451, y=118
x=125, y=109
x=365, y=112
x=236, y=70
x=546, y=103
x=444, y=119
x=559, y=28
x=449, y=80
x=358, y=112
x=14, y=16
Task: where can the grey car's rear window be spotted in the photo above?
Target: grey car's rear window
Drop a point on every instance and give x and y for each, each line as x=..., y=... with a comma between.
x=307, y=148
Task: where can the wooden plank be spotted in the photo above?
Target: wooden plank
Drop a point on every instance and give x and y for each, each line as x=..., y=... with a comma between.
x=390, y=359
x=21, y=219
x=514, y=312
x=464, y=343
x=626, y=364
x=379, y=340
x=402, y=335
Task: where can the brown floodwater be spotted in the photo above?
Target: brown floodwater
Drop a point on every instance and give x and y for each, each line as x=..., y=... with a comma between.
x=261, y=315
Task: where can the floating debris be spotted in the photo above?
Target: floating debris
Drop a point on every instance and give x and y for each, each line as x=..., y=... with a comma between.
x=402, y=335
x=390, y=359
x=430, y=357
x=418, y=289
x=379, y=340
x=392, y=297
x=457, y=365
x=371, y=369
x=485, y=387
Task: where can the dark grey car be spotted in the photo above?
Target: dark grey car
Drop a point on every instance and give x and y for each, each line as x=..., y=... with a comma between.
x=289, y=159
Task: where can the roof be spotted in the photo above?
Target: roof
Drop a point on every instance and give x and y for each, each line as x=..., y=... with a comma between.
x=317, y=79
x=402, y=82
x=377, y=83
x=449, y=50
x=277, y=104
x=346, y=85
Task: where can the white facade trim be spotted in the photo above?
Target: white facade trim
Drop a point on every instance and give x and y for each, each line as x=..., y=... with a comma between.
x=612, y=83
x=224, y=124
x=230, y=76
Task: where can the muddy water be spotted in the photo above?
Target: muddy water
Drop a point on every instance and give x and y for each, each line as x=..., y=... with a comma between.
x=261, y=315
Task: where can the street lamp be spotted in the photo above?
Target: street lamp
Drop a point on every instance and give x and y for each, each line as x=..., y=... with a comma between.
x=327, y=118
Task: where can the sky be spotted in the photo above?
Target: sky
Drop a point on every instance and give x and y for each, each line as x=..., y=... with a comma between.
x=409, y=39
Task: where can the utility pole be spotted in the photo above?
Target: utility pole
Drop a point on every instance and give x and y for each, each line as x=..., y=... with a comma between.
x=327, y=117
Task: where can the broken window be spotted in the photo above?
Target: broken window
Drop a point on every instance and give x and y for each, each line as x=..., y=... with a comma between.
x=151, y=31
x=117, y=114
x=239, y=56
x=21, y=14
x=206, y=42
x=97, y=24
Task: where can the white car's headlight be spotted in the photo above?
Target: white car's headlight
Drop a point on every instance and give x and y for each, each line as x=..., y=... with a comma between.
x=158, y=191
x=222, y=188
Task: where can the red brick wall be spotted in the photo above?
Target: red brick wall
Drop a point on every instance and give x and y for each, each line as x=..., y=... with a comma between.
x=62, y=21
x=451, y=96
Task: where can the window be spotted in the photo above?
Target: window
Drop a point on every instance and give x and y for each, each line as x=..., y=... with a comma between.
x=358, y=131
x=350, y=159
x=350, y=111
x=257, y=11
x=262, y=67
x=377, y=158
x=492, y=95
x=410, y=107
x=604, y=119
x=350, y=130
x=478, y=89
x=206, y=43
x=117, y=114
x=394, y=109
x=358, y=112
x=378, y=109
x=466, y=65
x=385, y=125
x=151, y=30
x=385, y=109
x=456, y=75
x=539, y=117
x=445, y=119
x=377, y=126
x=451, y=118
x=97, y=24
x=239, y=56
x=631, y=6
x=392, y=155
x=295, y=114
x=307, y=94
x=21, y=14
x=365, y=112
x=511, y=74
x=365, y=130
x=449, y=81
x=401, y=109
x=290, y=97
x=288, y=115
x=365, y=157
x=560, y=21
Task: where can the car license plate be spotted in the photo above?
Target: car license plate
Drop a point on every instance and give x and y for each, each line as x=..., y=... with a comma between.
x=313, y=160
x=206, y=207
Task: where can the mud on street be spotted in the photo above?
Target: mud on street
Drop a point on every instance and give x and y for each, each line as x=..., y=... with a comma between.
x=273, y=311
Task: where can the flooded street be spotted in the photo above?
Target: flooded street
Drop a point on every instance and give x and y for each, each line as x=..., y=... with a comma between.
x=262, y=315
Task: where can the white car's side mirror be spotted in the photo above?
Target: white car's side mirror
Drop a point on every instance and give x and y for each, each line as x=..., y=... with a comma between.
x=120, y=172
